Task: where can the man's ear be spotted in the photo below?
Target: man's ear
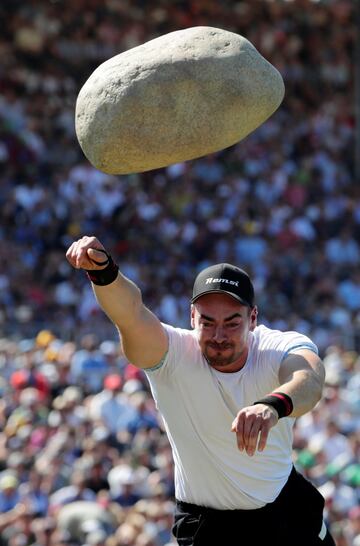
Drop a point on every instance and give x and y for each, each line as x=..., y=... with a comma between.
x=253, y=318
x=192, y=316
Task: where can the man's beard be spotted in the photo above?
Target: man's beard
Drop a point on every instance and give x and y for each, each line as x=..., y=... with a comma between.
x=214, y=354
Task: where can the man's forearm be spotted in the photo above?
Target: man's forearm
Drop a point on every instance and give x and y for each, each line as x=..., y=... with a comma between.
x=304, y=389
x=121, y=301
x=302, y=378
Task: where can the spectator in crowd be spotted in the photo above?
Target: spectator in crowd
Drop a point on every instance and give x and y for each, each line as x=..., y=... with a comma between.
x=9, y=492
x=112, y=407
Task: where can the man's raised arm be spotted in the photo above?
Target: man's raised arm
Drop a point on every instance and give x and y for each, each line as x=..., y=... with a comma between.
x=143, y=337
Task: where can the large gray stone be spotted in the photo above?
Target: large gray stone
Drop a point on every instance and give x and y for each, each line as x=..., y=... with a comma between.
x=177, y=97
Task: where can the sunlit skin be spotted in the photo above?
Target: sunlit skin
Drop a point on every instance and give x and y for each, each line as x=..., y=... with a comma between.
x=223, y=325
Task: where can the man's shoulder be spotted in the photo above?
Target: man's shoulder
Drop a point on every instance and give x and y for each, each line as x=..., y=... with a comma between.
x=183, y=348
x=179, y=333
x=263, y=332
x=177, y=328
x=269, y=338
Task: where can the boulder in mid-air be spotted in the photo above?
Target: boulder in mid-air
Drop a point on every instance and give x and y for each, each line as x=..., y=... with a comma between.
x=183, y=95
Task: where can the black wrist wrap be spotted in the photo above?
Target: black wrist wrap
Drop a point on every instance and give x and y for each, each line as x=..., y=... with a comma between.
x=278, y=400
x=105, y=276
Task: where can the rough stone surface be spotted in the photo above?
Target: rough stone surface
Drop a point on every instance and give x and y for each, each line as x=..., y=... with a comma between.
x=177, y=97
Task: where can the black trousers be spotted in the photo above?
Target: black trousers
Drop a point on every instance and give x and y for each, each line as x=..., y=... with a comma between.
x=295, y=518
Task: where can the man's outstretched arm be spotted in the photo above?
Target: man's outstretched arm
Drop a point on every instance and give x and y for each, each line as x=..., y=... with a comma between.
x=143, y=337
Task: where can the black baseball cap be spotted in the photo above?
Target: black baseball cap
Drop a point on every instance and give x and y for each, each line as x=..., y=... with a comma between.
x=225, y=279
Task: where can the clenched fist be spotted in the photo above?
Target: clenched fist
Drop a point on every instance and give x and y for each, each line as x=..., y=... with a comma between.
x=87, y=253
x=252, y=425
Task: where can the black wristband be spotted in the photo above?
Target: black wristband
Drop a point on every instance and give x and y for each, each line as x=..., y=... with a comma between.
x=102, y=277
x=280, y=401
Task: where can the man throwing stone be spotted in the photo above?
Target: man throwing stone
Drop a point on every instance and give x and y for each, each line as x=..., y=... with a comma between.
x=229, y=391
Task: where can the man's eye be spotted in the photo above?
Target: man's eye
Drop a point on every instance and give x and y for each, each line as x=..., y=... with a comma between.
x=233, y=325
x=207, y=324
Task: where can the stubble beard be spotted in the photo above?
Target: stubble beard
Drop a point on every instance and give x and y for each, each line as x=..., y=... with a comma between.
x=214, y=354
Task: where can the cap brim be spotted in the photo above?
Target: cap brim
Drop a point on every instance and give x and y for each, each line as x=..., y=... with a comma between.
x=215, y=291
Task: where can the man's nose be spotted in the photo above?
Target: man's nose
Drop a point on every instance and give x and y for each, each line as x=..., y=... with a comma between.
x=219, y=334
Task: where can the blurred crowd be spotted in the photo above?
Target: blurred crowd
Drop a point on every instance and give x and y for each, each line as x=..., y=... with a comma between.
x=77, y=422
x=83, y=454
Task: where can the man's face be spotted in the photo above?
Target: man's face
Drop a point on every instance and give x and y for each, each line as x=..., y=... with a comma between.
x=223, y=327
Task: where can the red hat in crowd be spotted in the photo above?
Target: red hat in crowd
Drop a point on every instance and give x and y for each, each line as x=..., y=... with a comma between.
x=113, y=381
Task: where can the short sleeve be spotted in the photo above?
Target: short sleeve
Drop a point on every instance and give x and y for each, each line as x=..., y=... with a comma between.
x=181, y=346
x=274, y=346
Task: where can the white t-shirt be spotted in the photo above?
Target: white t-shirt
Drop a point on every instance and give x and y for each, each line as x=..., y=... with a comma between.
x=198, y=405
